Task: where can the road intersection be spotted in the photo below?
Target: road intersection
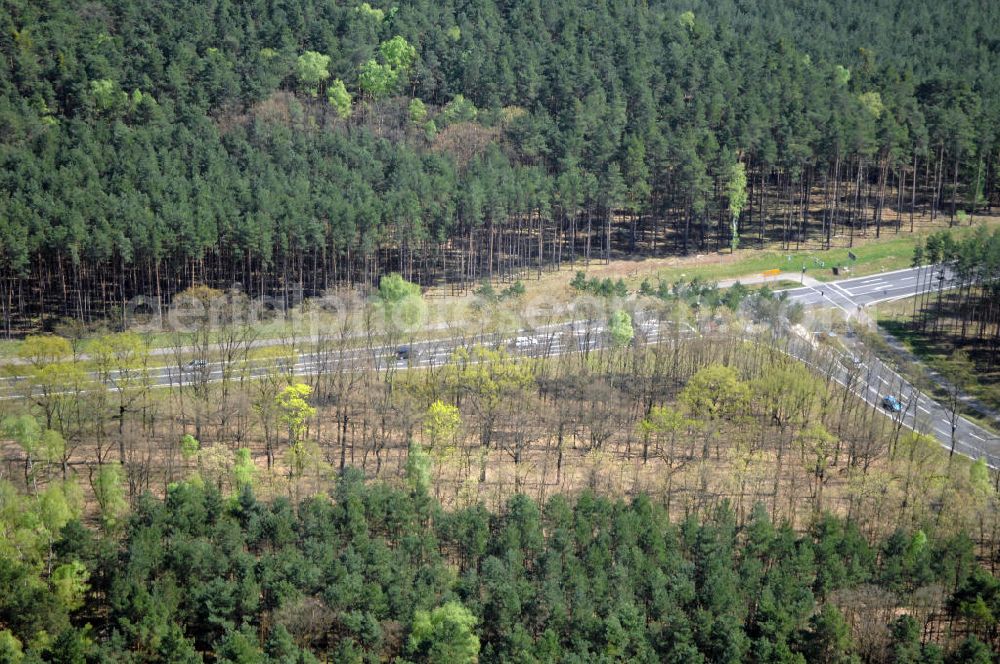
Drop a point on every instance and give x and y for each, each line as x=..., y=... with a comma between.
x=873, y=380
x=866, y=375
x=864, y=291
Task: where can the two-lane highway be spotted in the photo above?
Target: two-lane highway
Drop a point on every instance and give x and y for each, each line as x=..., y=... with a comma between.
x=873, y=380
x=862, y=372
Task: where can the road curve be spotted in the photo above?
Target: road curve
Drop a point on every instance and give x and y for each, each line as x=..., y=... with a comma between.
x=868, y=377
x=872, y=379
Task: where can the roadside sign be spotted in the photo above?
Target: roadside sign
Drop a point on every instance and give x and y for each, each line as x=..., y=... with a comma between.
x=771, y=273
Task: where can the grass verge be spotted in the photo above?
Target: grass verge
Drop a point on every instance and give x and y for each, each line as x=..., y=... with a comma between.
x=932, y=357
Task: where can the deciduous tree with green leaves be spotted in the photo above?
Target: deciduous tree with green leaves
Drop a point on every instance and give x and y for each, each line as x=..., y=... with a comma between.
x=398, y=54
x=441, y=424
x=400, y=302
x=51, y=379
x=339, y=98
x=312, y=69
x=620, y=328
x=713, y=394
x=736, y=192
x=243, y=470
x=42, y=447
x=444, y=635
x=122, y=362
x=107, y=483
x=377, y=80
x=295, y=411
x=417, y=111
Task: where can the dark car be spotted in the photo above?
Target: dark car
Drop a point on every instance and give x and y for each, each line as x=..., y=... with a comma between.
x=403, y=353
x=195, y=365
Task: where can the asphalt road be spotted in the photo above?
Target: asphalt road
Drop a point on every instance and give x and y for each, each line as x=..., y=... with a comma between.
x=863, y=373
x=873, y=380
x=850, y=294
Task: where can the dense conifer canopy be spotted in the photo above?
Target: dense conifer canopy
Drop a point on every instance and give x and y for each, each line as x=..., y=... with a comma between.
x=157, y=144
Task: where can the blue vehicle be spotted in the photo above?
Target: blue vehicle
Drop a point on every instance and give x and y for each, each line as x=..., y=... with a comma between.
x=891, y=404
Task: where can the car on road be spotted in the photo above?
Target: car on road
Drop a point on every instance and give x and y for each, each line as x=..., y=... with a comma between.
x=195, y=365
x=523, y=343
x=891, y=404
x=403, y=353
x=649, y=326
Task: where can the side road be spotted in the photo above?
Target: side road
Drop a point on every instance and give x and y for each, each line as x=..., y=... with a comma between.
x=939, y=381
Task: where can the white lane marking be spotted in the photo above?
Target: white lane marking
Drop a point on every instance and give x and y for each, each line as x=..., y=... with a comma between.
x=921, y=408
x=885, y=274
x=835, y=287
x=868, y=291
x=830, y=299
